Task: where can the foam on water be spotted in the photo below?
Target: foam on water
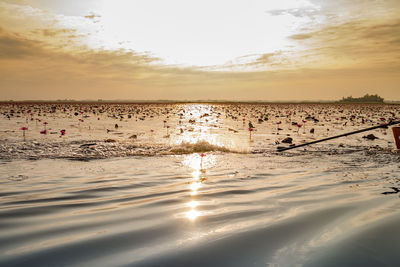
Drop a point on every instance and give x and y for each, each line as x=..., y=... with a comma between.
x=94, y=149
x=198, y=147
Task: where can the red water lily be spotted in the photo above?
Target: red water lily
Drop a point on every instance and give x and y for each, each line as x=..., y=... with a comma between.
x=298, y=126
x=24, y=128
x=202, y=155
x=250, y=130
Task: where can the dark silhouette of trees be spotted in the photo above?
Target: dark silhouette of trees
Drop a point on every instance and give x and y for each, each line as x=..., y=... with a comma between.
x=365, y=99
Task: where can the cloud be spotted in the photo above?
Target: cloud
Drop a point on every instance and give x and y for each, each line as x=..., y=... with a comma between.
x=300, y=36
x=295, y=12
x=93, y=17
x=354, y=43
x=12, y=46
x=19, y=48
x=55, y=32
x=388, y=32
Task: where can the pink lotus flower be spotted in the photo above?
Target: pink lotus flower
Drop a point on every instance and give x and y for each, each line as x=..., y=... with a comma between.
x=277, y=125
x=298, y=126
x=250, y=130
x=23, y=131
x=201, y=160
x=43, y=132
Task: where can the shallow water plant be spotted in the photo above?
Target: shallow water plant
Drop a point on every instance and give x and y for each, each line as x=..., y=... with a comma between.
x=250, y=130
x=24, y=128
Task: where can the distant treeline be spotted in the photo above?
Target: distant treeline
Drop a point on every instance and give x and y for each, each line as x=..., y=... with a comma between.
x=365, y=99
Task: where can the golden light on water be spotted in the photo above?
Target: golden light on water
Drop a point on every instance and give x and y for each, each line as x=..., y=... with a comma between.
x=192, y=214
x=194, y=187
x=196, y=175
x=193, y=204
x=199, y=164
x=202, y=128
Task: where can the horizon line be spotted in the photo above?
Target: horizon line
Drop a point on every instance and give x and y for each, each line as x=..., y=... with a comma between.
x=130, y=101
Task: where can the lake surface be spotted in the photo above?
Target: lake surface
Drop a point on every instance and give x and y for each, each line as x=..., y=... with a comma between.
x=218, y=199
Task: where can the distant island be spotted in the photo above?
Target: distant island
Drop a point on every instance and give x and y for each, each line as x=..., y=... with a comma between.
x=365, y=99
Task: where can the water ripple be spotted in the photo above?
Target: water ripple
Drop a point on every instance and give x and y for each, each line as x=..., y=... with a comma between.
x=165, y=212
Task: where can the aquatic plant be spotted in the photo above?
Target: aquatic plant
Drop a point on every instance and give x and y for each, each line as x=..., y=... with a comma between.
x=250, y=130
x=24, y=128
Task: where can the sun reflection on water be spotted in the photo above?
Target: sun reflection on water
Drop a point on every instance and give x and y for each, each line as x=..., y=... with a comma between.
x=192, y=214
x=200, y=124
x=194, y=187
x=199, y=163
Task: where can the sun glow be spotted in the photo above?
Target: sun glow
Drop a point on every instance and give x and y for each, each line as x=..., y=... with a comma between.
x=241, y=50
x=198, y=33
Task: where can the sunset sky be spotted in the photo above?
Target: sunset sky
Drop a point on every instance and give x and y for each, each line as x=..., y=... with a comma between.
x=209, y=49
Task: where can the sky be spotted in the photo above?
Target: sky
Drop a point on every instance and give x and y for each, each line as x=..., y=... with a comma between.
x=262, y=50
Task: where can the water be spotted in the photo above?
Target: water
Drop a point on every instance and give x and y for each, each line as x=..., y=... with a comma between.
x=244, y=205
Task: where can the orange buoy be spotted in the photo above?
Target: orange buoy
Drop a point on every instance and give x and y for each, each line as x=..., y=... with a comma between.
x=396, y=135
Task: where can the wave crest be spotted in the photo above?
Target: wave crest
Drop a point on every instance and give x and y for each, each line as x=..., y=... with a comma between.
x=198, y=147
